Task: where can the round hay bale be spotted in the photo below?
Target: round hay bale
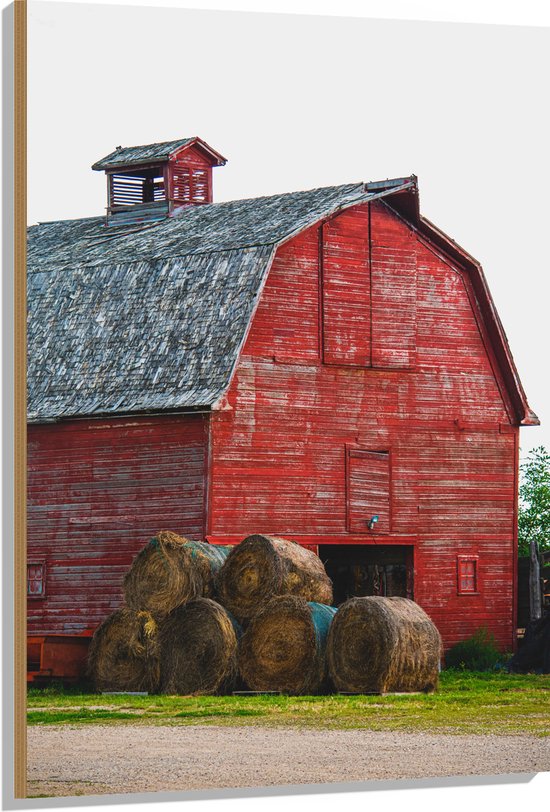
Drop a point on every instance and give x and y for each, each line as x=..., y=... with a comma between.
x=124, y=653
x=199, y=649
x=170, y=571
x=283, y=648
x=261, y=567
x=377, y=645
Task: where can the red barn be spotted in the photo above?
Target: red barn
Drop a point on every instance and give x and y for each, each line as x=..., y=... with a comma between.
x=323, y=365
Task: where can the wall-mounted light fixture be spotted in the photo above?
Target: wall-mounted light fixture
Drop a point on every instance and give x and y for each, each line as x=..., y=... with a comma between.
x=372, y=522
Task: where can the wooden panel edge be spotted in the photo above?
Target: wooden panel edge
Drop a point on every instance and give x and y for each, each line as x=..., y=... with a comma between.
x=20, y=393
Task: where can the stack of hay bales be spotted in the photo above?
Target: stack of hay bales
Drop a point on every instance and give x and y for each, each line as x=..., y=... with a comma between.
x=201, y=619
x=129, y=649
x=281, y=594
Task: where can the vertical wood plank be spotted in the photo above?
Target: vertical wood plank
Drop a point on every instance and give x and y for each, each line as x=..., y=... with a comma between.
x=20, y=394
x=393, y=258
x=346, y=290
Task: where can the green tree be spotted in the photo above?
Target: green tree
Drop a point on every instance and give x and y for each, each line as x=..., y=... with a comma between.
x=534, y=501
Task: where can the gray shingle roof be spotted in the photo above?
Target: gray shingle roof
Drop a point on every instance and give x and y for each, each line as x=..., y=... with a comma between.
x=150, y=317
x=126, y=156
x=147, y=152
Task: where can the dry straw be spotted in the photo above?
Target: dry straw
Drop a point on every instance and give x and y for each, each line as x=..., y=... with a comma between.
x=170, y=571
x=262, y=567
x=199, y=649
x=124, y=653
x=377, y=645
x=283, y=648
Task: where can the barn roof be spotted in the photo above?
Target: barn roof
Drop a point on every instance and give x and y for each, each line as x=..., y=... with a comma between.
x=161, y=151
x=151, y=317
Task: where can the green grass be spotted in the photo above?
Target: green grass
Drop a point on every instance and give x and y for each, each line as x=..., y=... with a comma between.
x=466, y=702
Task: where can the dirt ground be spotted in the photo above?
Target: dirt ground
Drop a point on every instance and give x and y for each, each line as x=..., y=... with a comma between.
x=99, y=759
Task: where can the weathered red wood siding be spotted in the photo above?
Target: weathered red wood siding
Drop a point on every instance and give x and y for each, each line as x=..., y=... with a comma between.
x=97, y=491
x=187, y=162
x=430, y=395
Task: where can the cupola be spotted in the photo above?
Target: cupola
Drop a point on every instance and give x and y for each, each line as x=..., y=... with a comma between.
x=154, y=181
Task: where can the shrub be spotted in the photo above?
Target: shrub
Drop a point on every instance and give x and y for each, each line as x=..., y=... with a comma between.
x=477, y=653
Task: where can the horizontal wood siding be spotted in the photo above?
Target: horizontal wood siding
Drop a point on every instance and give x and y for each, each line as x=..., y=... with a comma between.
x=279, y=449
x=290, y=328
x=97, y=491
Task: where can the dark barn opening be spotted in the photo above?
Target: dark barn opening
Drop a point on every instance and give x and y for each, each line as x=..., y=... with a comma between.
x=357, y=570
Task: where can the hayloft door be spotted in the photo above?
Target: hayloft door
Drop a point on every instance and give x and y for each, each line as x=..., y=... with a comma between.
x=368, y=491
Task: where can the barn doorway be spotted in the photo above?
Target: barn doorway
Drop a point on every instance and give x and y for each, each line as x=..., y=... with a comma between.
x=357, y=570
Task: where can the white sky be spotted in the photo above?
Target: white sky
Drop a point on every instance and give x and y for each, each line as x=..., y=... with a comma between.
x=296, y=102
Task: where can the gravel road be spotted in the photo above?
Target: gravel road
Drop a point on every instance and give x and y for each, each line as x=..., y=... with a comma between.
x=99, y=759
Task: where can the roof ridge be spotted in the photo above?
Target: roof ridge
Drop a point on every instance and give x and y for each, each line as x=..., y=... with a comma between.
x=157, y=143
x=296, y=192
x=360, y=187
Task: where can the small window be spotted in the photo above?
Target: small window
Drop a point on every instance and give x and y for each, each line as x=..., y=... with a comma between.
x=467, y=575
x=36, y=582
